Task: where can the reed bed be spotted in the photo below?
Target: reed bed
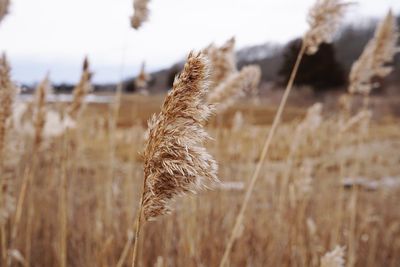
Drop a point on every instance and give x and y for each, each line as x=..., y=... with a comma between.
x=195, y=233
x=321, y=190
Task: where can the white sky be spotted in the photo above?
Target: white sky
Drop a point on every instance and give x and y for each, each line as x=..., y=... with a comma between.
x=54, y=35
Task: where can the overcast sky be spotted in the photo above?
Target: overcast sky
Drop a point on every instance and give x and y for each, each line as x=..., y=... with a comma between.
x=55, y=35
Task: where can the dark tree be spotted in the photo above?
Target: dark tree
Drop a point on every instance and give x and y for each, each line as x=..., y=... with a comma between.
x=321, y=70
x=129, y=86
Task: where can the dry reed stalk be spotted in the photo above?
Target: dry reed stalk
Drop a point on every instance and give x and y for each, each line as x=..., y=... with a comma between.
x=352, y=257
x=39, y=119
x=140, y=13
x=344, y=124
x=373, y=63
x=222, y=60
x=4, y=6
x=363, y=117
x=112, y=128
x=264, y=151
x=7, y=93
x=63, y=204
x=334, y=258
x=234, y=87
x=176, y=163
x=80, y=91
x=318, y=32
x=374, y=60
x=7, y=201
x=310, y=123
x=361, y=134
x=125, y=251
x=360, y=117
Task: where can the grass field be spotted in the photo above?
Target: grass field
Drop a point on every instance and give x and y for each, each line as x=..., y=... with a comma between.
x=305, y=177
x=298, y=211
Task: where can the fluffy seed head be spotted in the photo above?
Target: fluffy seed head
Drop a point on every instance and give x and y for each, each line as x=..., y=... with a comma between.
x=324, y=20
x=334, y=258
x=140, y=14
x=80, y=91
x=236, y=86
x=379, y=52
x=223, y=61
x=39, y=120
x=176, y=163
x=4, y=5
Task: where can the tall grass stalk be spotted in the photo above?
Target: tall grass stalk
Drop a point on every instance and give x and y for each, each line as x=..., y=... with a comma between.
x=64, y=203
x=175, y=161
x=39, y=122
x=264, y=152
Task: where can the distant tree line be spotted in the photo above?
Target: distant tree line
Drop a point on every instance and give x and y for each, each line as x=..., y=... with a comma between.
x=327, y=69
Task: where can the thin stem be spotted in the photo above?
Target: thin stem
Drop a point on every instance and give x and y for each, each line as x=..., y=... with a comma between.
x=64, y=205
x=137, y=232
x=125, y=251
x=114, y=114
x=3, y=233
x=3, y=245
x=264, y=152
x=138, y=225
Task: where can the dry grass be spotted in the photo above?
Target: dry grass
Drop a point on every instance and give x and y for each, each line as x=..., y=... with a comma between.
x=80, y=91
x=376, y=58
x=235, y=86
x=196, y=232
x=328, y=181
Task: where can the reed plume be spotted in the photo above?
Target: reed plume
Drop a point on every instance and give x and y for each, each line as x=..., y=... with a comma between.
x=374, y=60
x=234, y=87
x=39, y=119
x=80, y=91
x=324, y=20
x=4, y=6
x=140, y=13
x=334, y=258
x=223, y=62
x=141, y=81
x=175, y=162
